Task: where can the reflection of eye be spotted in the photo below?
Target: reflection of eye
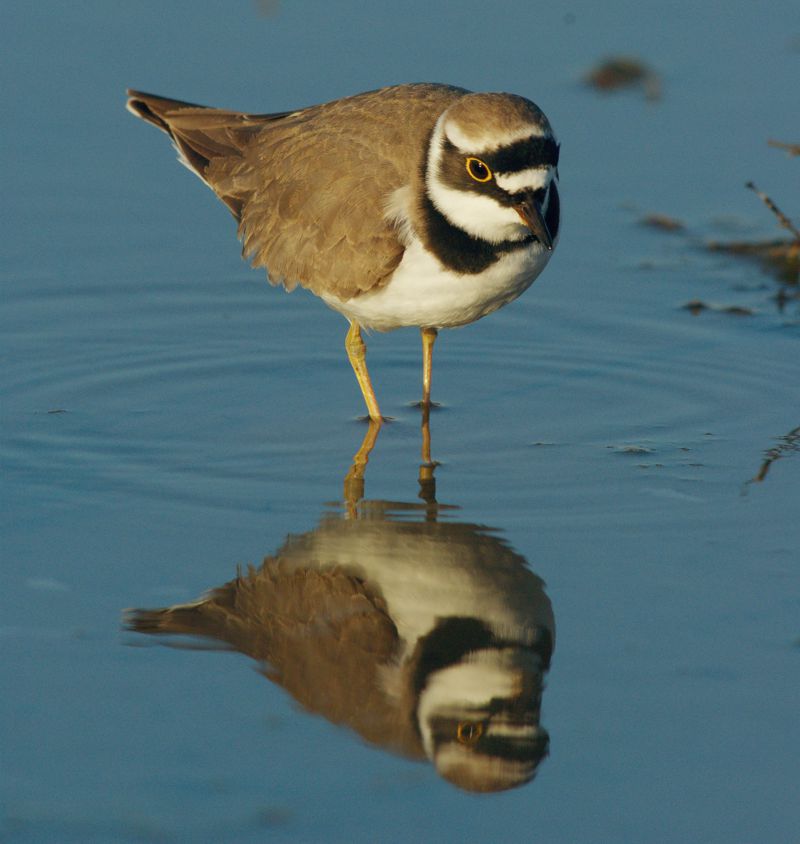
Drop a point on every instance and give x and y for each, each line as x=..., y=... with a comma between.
x=468, y=732
x=478, y=170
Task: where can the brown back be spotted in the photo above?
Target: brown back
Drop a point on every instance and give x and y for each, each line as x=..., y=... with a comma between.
x=310, y=187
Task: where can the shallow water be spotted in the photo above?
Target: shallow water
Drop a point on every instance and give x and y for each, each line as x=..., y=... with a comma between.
x=168, y=419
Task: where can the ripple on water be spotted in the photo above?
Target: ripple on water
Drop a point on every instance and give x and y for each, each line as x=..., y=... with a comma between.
x=143, y=384
x=165, y=389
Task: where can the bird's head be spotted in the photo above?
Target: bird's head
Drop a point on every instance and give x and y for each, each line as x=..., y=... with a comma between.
x=479, y=719
x=492, y=169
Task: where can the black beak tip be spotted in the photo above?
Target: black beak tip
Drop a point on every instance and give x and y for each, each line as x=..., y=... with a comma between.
x=543, y=236
x=532, y=217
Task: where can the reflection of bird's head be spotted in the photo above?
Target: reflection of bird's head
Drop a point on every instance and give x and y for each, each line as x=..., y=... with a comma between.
x=478, y=710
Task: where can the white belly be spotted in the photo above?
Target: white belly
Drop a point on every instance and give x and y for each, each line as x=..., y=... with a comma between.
x=423, y=293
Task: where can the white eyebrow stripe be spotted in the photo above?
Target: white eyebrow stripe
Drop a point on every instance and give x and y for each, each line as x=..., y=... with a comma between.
x=533, y=178
x=489, y=141
x=500, y=728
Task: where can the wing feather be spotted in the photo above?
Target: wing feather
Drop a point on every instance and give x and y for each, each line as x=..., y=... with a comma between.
x=310, y=187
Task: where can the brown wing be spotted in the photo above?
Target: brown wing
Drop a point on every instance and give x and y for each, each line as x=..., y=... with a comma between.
x=200, y=134
x=310, y=188
x=257, y=613
x=323, y=635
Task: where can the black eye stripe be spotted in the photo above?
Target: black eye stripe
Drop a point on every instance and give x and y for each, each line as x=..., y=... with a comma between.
x=521, y=155
x=530, y=152
x=538, y=194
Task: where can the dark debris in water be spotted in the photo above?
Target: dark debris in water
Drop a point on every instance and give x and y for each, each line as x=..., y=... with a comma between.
x=667, y=457
x=779, y=258
x=274, y=816
x=265, y=8
x=792, y=149
x=663, y=222
x=617, y=72
x=696, y=306
x=786, y=445
x=632, y=449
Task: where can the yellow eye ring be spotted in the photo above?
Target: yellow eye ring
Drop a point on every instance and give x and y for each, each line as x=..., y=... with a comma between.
x=478, y=170
x=468, y=732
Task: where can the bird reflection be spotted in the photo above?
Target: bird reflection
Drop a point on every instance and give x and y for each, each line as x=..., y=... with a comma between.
x=427, y=636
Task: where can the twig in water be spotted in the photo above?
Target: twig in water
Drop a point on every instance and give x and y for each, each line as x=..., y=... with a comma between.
x=782, y=218
x=788, y=443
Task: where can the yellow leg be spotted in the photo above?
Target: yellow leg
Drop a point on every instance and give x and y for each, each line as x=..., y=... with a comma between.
x=426, y=437
x=357, y=353
x=427, y=481
x=354, y=479
x=428, y=339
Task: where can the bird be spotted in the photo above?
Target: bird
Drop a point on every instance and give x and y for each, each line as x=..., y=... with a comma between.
x=417, y=205
x=429, y=639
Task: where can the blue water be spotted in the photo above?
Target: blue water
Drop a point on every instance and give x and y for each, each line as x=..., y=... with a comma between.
x=168, y=418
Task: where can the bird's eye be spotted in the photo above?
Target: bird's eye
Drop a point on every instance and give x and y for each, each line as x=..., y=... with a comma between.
x=468, y=732
x=478, y=170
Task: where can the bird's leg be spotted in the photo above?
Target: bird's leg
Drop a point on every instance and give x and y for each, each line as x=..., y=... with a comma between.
x=427, y=481
x=357, y=353
x=354, y=479
x=428, y=339
x=426, y=438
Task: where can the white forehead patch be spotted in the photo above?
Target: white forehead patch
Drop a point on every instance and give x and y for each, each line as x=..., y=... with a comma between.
x=531, y=179
x=490, y=139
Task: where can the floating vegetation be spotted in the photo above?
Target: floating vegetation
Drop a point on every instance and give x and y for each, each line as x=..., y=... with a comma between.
x=780, y=258
x=617, y=72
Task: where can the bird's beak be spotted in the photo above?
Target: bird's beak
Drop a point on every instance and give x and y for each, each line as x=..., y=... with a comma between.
x=530, y=211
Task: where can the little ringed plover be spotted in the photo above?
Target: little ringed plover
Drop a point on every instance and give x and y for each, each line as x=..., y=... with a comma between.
x=416, y=205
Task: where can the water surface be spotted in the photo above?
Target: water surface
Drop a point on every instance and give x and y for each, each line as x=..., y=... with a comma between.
x=168, y=418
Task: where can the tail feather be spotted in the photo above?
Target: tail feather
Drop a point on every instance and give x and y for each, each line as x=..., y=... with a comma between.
x=194, y=129
x=200, y=134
